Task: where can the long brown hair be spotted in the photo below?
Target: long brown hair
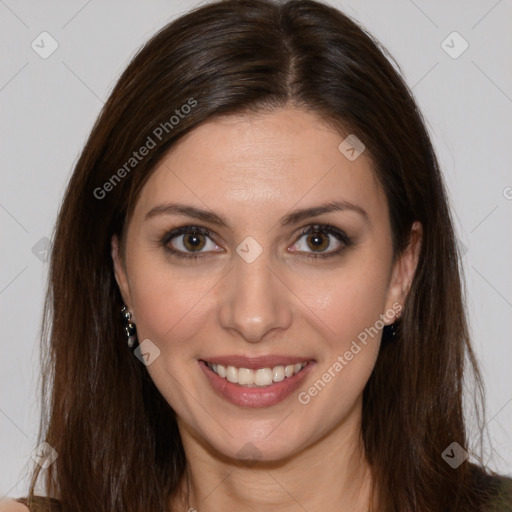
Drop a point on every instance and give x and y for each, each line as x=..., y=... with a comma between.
x=117, y=440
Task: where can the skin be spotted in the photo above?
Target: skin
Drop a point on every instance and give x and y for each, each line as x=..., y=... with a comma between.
x=254, y=169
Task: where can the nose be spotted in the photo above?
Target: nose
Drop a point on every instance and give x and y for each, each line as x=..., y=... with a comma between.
x=254, y=300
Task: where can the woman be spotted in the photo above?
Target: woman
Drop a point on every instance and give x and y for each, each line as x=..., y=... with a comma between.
x=255, y=298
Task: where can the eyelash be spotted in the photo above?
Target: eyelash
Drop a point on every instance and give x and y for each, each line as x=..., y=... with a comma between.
x=328, y=229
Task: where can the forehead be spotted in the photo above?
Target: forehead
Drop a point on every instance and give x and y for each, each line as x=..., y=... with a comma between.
x=262, y=163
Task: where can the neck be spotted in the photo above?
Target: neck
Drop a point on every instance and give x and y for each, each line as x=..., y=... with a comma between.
x=331, y=475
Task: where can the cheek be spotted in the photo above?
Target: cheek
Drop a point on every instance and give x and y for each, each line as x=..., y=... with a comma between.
x=350, y=308
x=348, y=301
x=168, y=302
x=351, y=311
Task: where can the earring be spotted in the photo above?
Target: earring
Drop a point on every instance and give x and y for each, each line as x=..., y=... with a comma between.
x=389, y=332
x=129, y=326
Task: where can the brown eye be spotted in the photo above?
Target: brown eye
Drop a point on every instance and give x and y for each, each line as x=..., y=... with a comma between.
x=193, y=241
x=189, y=242
x=318, y=241
x=321, y=241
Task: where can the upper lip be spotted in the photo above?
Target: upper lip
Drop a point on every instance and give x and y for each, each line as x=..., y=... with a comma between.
x=253, y=363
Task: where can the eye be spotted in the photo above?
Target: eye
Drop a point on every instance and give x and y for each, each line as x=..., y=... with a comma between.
x=194, y=242
x=321, y=237
x=189, y=242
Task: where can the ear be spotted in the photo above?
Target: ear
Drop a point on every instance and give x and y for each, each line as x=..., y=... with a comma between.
x=403, y=271
x=120, y=272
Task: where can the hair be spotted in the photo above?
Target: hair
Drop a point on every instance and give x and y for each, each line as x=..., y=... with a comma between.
x=118, y=445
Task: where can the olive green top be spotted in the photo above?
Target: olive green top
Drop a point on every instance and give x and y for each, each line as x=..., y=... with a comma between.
x=502, y=502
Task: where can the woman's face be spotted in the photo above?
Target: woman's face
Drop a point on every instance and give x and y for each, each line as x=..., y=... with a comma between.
x=272, y=284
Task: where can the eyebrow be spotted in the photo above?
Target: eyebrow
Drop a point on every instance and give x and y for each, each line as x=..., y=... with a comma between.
x=215, y=218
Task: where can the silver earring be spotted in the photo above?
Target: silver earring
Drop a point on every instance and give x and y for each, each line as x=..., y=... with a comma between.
x=129, y=326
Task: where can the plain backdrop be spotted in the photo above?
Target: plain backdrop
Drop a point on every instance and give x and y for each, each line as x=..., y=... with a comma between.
x=48, y=106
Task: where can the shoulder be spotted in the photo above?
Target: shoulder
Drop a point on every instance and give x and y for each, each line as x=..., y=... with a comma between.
x=11, y=505
x=37, y=504
x=499, y=490
x=503, y=499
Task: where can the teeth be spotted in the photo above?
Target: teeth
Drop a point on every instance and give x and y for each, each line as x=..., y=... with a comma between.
x=278, y=374
x=261, y=377
x=220, y=370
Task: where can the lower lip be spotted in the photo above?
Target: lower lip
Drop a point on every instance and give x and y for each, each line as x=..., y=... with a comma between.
x=255, y=397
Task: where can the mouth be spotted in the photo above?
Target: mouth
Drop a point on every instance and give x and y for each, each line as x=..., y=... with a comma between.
x=265, y=384
x=259, y=377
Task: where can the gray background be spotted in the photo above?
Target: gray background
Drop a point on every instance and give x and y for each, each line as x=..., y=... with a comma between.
x=48, y=107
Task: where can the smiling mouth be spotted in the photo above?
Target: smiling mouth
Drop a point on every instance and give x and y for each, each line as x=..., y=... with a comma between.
x=257, y=378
